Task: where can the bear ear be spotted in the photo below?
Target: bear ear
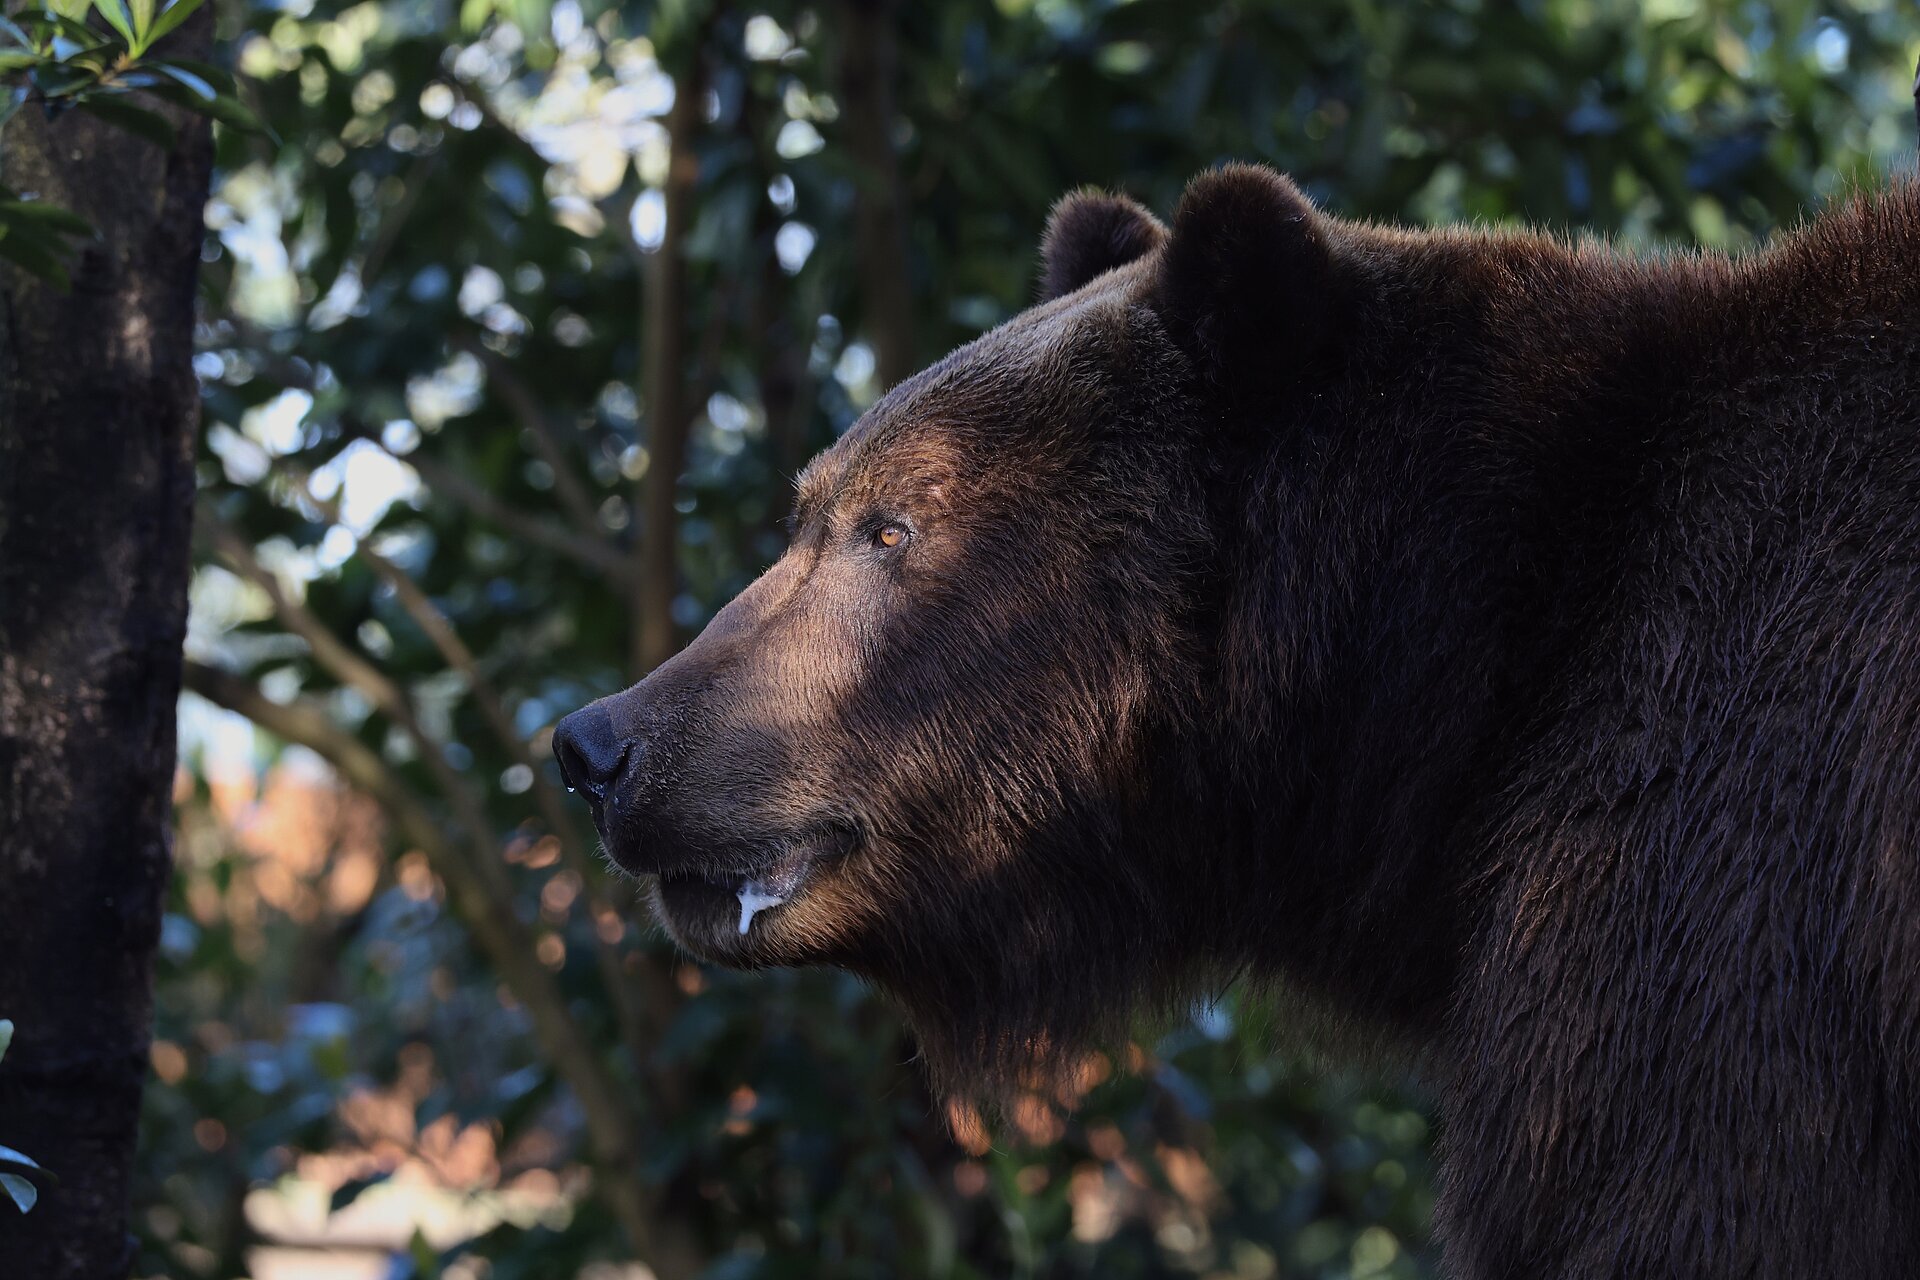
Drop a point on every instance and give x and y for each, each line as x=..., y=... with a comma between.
x=1247, y=281
x=1090, y=233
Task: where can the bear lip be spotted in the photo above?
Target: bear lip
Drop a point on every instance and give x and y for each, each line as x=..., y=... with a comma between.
x=771, y=880
x=772, y=887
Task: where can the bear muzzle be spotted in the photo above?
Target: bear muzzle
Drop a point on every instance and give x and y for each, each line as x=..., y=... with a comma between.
x=640, y=810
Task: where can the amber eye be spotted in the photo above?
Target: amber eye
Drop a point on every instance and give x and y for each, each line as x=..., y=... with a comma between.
x=890, y=536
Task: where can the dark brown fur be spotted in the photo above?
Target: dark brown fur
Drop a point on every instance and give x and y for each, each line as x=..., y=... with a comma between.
x=1513, y=645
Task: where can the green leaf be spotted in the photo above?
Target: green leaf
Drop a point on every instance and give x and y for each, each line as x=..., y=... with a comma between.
x=6, y=1035
x=170, y=17
x=9, y=1155
x=15, y=59
x=73, y=10
x=50, y=21
x=24, y=1193
x=135, y=120
x=219, y=79
x=187, y=78
x=232, y=111
x=210, y=92
x=426, y=1263
x=36, y=252
x=51, y=216
x=474, y=14
x=116, y=15
x=142, y=13
x=223, y=107
x=60, y=79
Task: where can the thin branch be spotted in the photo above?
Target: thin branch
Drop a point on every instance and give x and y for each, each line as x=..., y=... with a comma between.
x=351, y=669
x=333, y=654
x=328, y=649
x=387, y=234
x=487, y=910
x=547, y=799
x=567, y=484
x=590, y=553
x=664, y=374
x=476, y=97
x=306, y=722
x=440, y=632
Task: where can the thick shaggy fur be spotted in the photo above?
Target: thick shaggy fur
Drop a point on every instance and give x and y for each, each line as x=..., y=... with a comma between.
x=1510, y=644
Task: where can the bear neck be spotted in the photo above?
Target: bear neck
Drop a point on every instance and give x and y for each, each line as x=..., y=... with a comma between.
x=1420, y=538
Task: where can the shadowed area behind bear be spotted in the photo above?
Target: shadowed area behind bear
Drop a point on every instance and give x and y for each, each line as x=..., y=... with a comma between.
x=1282, y=587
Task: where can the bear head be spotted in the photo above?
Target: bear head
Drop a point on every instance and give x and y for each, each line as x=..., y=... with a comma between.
x=950, y=741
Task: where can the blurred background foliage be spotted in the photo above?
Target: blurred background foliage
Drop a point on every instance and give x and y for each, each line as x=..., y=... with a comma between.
x=513, y=334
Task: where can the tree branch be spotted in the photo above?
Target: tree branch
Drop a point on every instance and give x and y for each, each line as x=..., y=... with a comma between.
x=479, y=879
x=662, y=999
x=591, y=553
x=486, y=906
x=387, y=234
x=547, y=799
x=567, y=484
x=867, y=66
x=349, y=668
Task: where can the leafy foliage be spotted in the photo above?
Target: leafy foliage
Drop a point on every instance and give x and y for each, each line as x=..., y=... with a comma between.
x=50, y=56
x=431, y=454
x=19, y=1190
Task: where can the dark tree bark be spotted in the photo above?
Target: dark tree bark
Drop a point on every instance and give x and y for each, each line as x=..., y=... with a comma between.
x=98, y=407
x=868, y=63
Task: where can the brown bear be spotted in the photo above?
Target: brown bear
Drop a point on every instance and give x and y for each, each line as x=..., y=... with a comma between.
x=1511, y=645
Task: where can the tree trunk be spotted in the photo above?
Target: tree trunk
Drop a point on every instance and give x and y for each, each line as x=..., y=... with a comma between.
x=665, y=382
x=98, y=407
x=868, y=62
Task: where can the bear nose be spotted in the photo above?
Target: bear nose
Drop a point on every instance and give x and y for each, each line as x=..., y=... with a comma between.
x=590, y=753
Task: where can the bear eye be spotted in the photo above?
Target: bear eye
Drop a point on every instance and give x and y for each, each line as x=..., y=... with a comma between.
x=890, y=535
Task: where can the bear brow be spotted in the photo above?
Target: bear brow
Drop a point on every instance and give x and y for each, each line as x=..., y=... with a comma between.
x=810, y=492
x=830, y=474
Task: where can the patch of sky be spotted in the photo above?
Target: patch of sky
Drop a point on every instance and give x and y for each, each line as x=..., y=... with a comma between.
x=793, y=244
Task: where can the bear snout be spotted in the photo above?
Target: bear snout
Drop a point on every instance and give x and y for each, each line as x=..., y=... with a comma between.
x=653, y=791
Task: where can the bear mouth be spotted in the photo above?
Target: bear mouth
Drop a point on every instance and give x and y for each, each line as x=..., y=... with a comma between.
x=718, y=906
